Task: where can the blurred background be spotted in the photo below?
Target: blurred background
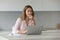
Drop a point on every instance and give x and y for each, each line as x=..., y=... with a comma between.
x=47, y=13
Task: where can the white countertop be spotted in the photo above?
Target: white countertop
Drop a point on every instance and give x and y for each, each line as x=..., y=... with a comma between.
x=46, y=35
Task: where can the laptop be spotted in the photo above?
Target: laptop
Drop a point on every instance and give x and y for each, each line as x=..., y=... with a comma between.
x=33, y=30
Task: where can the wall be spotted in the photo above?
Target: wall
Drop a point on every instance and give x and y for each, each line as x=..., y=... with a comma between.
x=38, y=5
x=46, y=18
x=18, y=5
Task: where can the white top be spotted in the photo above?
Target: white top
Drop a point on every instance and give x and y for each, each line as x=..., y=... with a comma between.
x=20, y=25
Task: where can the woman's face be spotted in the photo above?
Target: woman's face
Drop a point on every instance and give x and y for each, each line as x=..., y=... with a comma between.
x=28, y=12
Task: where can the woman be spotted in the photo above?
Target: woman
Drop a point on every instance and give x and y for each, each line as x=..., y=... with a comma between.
x=24, y=21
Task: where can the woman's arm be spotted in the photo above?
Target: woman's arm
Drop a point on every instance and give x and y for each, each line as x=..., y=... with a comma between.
x=22, y=32
x=16, y=27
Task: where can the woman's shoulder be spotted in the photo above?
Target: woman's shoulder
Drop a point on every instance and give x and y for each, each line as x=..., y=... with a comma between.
x=20, y=18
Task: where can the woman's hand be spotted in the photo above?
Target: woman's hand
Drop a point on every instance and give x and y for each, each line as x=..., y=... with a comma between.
x=30, y=17
x=22, y=32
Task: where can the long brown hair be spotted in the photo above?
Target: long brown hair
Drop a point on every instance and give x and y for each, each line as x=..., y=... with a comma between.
x=24, y=17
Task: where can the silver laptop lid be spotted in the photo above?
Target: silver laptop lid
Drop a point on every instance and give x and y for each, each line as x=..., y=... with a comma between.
x=33, y=30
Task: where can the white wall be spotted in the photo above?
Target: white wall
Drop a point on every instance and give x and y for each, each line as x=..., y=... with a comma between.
x=50, y=5
x=38, y=5
x=18, y=5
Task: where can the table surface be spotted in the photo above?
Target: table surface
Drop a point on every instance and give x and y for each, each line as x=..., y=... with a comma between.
x=46, y=35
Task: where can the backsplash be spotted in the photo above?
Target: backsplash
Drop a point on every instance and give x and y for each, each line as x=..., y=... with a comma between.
x=46, y=18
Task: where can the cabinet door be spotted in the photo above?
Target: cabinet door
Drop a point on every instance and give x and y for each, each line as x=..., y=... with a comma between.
x=51, y=5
